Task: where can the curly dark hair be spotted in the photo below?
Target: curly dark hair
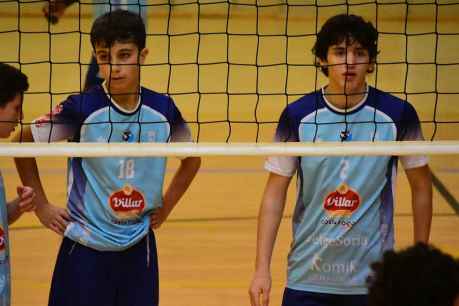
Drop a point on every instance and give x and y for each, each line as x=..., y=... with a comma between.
x=420, y=275
x=12, y=83
x=345, y=27
x=118, y=26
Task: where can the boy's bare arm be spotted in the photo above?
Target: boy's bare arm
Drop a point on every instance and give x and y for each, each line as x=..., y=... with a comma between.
x=54, y=9
x=55, y=218
x=269, y=218
x=179, y=184
x=420, y=180
x=23, y=203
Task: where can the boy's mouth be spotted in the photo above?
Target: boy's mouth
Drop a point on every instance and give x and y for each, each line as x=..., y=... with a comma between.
x=349, y=75
x=116, y=79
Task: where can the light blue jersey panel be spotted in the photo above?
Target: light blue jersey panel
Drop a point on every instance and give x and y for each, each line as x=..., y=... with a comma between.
x=5, y=283
x=109, y=198
x=337, y=191
x=129, y=188
x=343, y=217
x=101, y=7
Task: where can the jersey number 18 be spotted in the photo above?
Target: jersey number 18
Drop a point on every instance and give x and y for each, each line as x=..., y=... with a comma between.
x=127, y=170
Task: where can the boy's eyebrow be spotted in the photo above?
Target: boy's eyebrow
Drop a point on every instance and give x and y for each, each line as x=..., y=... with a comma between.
x=101, y=51
x=125, y=49
x=348, y=47
x=107, y=50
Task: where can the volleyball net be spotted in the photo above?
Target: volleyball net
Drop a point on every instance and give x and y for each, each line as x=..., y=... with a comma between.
x=233, y=66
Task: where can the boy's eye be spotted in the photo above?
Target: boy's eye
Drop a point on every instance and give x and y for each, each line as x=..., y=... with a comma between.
x=361, y=53
x=125, y=55
x=102, y=58
x=339, y=52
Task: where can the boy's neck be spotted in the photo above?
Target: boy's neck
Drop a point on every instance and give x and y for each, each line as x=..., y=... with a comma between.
x=127, y=102
x=342, y=100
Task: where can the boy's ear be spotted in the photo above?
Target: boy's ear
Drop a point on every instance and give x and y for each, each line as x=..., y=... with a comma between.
x=143, y=55
x=371, y=67
x=321, y=63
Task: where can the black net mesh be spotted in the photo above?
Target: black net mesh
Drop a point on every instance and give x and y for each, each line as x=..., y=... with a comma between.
x=232, y=66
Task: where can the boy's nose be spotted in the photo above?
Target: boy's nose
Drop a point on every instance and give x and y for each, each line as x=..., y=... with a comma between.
x=350, y=58
x=114, y=66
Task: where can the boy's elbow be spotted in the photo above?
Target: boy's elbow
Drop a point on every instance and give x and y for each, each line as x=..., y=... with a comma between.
x=425, y=181
x=196, y=162
x=423, y=190
x=420, y=178
x=193, y=162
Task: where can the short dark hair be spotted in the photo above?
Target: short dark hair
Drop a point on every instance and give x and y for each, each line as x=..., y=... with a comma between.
x=420, y=275
x=118, y=26
x=12, y=83
x=345, y=27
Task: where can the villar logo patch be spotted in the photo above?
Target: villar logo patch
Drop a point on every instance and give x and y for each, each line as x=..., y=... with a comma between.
x=127, y=202
x=343, y=200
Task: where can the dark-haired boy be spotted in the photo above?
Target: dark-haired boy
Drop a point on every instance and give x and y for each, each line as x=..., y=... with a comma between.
x=343, y=219
x=108, y=254
x=420, y=275
x=13, y=84
x=53, y=10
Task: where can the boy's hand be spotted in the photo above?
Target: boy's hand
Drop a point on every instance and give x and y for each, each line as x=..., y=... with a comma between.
x=25, y=199
x=54, y=9
x=259, y=290
x=158, y=216
x=54, y=218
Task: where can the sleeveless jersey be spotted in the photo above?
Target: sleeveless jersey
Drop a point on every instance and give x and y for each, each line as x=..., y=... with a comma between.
x=110, y=199
x=343, y=218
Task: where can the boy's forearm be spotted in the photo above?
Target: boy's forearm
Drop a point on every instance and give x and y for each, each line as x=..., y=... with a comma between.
x=181, y=181
x=269, y=219
x=422, y=215
x=420, y=180
x=27, y=167
x=28, y=172
x=13, y=211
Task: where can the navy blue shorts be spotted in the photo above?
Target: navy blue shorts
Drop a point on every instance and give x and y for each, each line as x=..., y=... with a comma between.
x=304, y=298
x=87, y=277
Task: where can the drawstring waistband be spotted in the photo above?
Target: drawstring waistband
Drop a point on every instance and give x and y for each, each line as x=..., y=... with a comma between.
x=73, y=247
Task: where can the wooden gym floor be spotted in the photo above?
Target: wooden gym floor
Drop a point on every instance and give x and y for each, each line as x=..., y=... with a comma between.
x=207, y=247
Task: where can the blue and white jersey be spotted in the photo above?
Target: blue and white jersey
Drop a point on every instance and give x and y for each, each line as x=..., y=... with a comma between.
x=343, y=218
x=101, y=7
x=5, y=283
x=109, y=199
